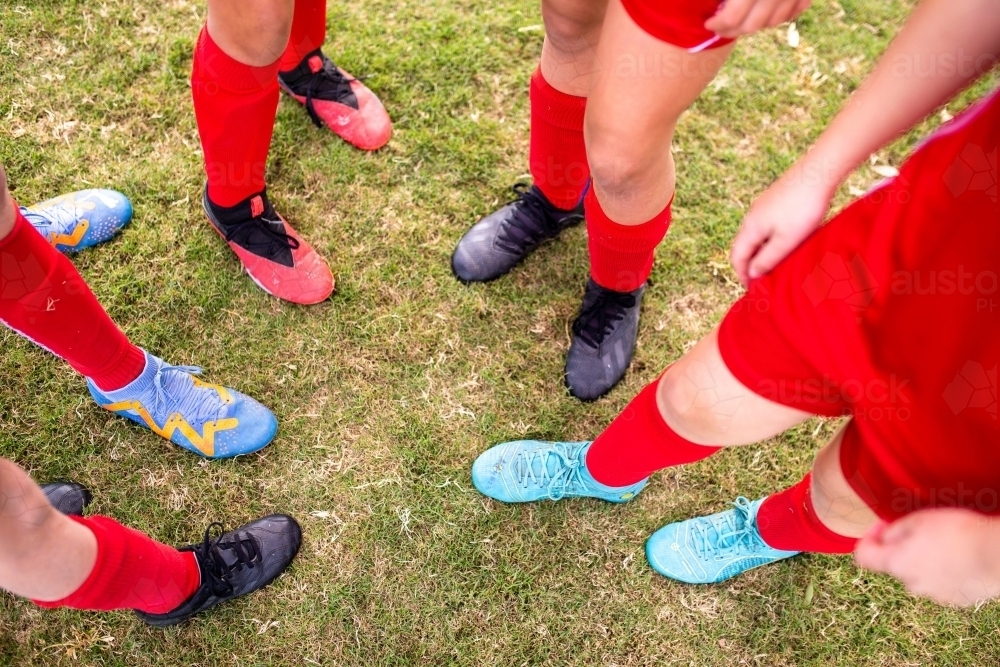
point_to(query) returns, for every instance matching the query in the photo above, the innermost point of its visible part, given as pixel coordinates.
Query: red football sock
(235, 106)
(132, 571)
(788, 521)
(308, 32)
(638, 443)
(558, 156)
(621, 256)
(45, 299)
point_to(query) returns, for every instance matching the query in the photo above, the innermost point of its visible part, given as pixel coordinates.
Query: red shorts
(677, 22)
(890, 313)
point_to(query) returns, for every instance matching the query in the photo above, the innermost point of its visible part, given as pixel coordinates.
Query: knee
(622, 163)
(254, 32)
(571, 30)
(688, 410)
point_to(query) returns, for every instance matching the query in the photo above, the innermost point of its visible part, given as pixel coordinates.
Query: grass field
(388, 392)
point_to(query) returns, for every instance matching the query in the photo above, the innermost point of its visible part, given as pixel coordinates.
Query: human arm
(944, 45)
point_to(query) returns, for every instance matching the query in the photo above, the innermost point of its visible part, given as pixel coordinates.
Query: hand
(779, 220)
(949, 555)
(742, 17)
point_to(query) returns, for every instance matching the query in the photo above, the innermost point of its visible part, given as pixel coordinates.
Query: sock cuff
(621, 238)
(214, 67)
(555, 107)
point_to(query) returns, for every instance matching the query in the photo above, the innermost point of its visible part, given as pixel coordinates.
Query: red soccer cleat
(276, 257)
(335, 98)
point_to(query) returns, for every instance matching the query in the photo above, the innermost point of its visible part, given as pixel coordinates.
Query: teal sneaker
(710, 549)
(81, 219)
(206, 419)
(528, 470)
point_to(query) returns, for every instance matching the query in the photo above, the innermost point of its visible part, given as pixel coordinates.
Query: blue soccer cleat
(710, 549)
(79, 220)
(207, 419)
(528, 470)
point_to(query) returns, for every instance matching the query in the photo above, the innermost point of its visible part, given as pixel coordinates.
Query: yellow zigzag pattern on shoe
(176, 422)
(71, 240)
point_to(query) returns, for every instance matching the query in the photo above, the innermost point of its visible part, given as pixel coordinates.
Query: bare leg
(640, 90)
(837, 505)
(704, 403)
(7, 216)
(43, 554)
(254, 32)
(572, 33)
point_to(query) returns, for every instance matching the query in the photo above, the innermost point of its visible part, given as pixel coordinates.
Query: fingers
(741, 17)
(872, 554)
(772, 252)
(730, 17)
(748, 240)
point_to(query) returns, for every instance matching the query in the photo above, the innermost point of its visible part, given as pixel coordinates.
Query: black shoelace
(245, 552)
(274, 240)
(531, 223)
(329, 84)
(597, 320)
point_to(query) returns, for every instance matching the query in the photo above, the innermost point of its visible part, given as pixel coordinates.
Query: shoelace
(530, 225)
(597, 320)
(329, 77)
(277, 240)
(197, 405)
(567, 474)
(733, 533)
(59, 217)
(245, 550)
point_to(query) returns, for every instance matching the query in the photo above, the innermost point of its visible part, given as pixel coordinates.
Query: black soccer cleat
(498, 242)
(236, 564)
(604, 336)
(69, 498)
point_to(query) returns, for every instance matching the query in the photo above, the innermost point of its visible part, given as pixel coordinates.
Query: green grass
(388, 392)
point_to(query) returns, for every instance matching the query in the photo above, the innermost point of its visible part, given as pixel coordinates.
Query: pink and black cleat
(335, 98)
(276, 257)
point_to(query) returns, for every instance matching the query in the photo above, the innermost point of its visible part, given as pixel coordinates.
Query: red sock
(638, 443)
(44, 298)
(132, 571)
(621, 256)
(788, 521)
(558, 156)
(235, 106)
(308, 32)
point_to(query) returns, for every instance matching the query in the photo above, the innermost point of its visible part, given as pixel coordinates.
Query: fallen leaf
(793, 36)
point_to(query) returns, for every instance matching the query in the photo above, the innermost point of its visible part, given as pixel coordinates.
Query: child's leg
(44, 555)
(308, 32)
(234, 85)
(639, 92)
(822, 513)
(693, 409)
(44, 298)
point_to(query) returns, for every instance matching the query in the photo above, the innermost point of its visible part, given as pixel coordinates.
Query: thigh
(839, 506)
(703, 402)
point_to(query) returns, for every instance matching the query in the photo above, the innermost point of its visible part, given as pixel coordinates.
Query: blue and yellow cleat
(528, 470)
(710, 549)
(207, 419)
(79, 220)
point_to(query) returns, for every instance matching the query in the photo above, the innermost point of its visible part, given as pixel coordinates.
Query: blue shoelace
(567, 474)
(732, 534)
